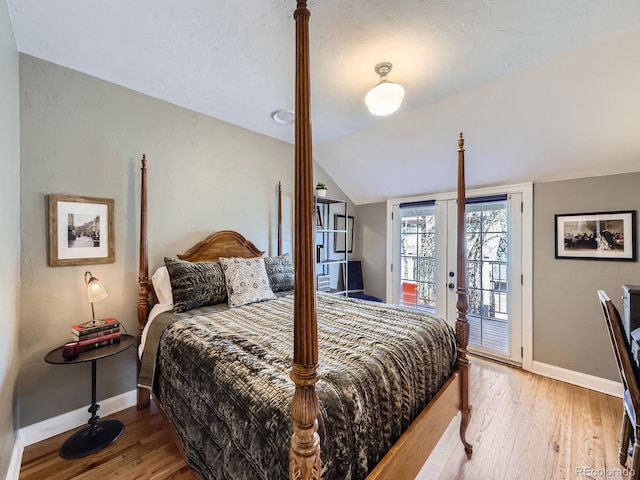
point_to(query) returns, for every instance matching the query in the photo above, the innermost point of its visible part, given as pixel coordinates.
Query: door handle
(451, 286)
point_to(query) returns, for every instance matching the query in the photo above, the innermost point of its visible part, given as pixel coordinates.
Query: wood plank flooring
(145, 450)
(526, 426)
(523, 427)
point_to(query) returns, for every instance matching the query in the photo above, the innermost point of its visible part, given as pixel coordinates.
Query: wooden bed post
(143, 277)
(279, 218)
(462, 304)
(304, 454)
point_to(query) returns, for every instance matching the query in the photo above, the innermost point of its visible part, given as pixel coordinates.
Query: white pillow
(246, 279)
(162, 285)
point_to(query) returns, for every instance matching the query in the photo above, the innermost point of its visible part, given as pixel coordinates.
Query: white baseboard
(16, 460)
(580, 379)
(76, 418)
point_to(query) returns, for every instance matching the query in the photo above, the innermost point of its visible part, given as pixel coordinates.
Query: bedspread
(223, 381)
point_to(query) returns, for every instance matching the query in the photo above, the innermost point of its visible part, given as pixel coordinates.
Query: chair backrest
(355, 282)
(626, 366)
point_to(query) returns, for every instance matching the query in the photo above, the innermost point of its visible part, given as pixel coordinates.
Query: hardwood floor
(145, 450)
(523, 427)
(526, 426)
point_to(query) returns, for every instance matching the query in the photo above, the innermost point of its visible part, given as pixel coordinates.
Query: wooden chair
(629, 376)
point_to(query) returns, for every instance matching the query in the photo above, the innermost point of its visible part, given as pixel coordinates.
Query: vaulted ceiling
(543, 90)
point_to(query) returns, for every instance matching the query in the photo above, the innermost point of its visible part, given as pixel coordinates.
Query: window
(418, 255)
(488, 272)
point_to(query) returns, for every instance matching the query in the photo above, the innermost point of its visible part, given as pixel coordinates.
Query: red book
(94, 326)
(98, 342)
(97, 334)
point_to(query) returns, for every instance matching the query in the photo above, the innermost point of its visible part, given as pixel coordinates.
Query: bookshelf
(334, 242)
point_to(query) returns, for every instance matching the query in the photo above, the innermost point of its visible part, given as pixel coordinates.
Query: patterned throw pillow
(280, 272)
(247, 280)
(195, 284)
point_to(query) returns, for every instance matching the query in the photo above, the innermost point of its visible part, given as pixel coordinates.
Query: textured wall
(568, 327)
(371, 240)
(9, 237)
(84, 136)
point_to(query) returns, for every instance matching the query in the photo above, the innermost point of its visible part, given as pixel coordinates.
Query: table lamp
(95, 291)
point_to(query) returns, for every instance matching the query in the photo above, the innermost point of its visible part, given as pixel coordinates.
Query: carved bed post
(279, 218)
(462, 325)
(143, 276)
(304, 454)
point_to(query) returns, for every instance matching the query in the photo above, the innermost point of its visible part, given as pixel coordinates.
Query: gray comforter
(223, 381)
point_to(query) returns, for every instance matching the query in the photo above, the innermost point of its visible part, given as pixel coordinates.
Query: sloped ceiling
(543, 90)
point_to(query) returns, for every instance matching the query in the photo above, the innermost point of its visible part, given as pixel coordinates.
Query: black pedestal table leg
(97, 434)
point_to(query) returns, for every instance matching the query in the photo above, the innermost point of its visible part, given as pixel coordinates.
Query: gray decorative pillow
(280, 272)
(195, 284)
(247, 280)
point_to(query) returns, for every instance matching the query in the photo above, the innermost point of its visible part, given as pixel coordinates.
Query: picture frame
(596, 236)
(339, 223)
(81, 230)
(318, 218)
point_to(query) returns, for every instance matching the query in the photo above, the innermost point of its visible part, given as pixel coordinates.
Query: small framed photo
(318, 218)
(339, 223)
(596, 236)
(80, 230)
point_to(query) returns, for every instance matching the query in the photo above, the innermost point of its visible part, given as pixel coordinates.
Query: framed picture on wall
(318, 218)
(80, 230)
(339, 223)
(596, 236)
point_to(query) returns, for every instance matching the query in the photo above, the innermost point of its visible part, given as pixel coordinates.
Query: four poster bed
(257, 384)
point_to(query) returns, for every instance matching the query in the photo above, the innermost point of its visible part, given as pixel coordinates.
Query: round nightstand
(97, 434)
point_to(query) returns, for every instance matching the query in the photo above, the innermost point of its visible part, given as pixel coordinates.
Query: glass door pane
(418, 257)
(488, 275)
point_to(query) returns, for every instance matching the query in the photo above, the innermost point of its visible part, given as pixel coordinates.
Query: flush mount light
(283, 117)
(386, 97)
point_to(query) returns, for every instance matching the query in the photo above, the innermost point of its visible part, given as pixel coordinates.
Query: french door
(424, 250)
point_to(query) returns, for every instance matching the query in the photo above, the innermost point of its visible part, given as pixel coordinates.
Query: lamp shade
(385, 98)
(95, 290)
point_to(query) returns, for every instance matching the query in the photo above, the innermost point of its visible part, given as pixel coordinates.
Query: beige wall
(371, 241)
(9, 237)
(84, 136)
(568, 327)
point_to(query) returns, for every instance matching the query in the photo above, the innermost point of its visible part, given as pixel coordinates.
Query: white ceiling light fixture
(386, 97)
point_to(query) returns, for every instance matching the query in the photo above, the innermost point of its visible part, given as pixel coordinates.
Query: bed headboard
(225, 243)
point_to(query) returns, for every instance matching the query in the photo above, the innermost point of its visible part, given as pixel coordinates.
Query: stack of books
(96, 333)
(323, 283)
